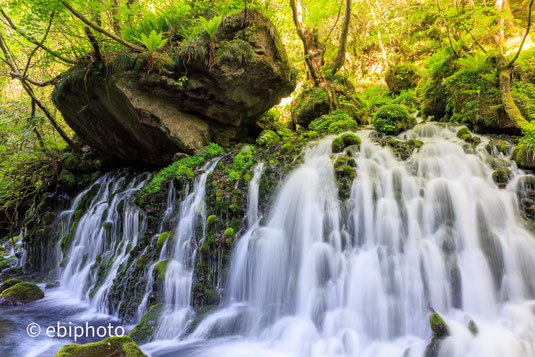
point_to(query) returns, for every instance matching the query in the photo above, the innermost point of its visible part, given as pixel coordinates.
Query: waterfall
(325, 277)
(102, 238)
(252, 195)
(179, 259)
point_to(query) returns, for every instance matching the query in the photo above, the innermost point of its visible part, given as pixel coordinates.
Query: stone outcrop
(122, 110)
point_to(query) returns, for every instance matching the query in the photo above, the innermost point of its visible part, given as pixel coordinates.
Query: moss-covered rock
(440, 331)
(144, 330)
(466, 135)
(336, 122)
(162, 238)
(309, 105)
(401, 77)
(267, 138)
(497, 146)
(501, 177)
(113, 346)
(9, 283)
(160, 269)
(21, 293)
(343, 141)
(393, 119)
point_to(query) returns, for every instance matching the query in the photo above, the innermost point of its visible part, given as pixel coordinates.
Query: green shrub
(392, 119)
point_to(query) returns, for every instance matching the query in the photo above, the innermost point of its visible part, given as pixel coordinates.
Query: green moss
(228, 236)
(179, 168)
(210, 220)
(267, 138)
(162, 238)
(144, 330)
(464, 134)
(343, 141)
(9, 283)
(160, 269)
(336, 122)
(288, 148)
(438, 326)
(501, 176)
(22, 292)
(401, 77)
(392, 119)
(111, 346)
(309, 105)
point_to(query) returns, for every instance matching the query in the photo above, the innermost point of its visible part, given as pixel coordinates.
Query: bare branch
(525, 36)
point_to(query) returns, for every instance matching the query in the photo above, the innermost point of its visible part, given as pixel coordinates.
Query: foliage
(210, 26)
(343, 141)
(153, 41)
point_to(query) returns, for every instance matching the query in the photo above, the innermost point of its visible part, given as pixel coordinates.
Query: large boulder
(124, 110)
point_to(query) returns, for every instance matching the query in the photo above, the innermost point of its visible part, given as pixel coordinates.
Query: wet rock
(440, 331)
(113, 346)
(21, 293)
(392, 119)
(144, 330)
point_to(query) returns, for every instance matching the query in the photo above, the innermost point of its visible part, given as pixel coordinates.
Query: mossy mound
(466, 135)
(267, 138)
(9, 283)
(344, 167)
(309, 105)
(501, 177)
(113, 346)
(440, 331)
(497, 146)
(401, 77)
(162, 238)
(343, 141)
(336, 122)
(144, 330)
(393, 119)
(21, 293)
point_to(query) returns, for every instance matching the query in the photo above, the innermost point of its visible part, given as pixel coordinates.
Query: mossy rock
(162, 238)
(438, 326)
(309, 105)
(501, 177)
(401, 77)
(343, 141)
(268, 138)
(497, 145)
(392, 119)
(144, 330)
(21, 293)
(9, 283)
(466, 135)
(160, 269)
(228, 236)
(122, 346)
(336, 122)
(524, 157)
(210, 220)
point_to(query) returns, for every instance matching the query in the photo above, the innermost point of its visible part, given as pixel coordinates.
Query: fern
(211, 26)
(153, 41)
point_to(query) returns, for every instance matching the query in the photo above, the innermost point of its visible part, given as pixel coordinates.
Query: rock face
(123, 111)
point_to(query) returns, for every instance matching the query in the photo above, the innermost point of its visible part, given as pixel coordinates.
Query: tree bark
(342, 45)
(314, 50)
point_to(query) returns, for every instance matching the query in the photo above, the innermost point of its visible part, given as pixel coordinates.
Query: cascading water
(252, 195)
(178, 258)
(360, 277)
(103, 237)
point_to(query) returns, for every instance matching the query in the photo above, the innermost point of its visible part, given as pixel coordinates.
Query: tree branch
(341, 56)
(34, 41)
(525, 36)
(447, 29)
(101, 30)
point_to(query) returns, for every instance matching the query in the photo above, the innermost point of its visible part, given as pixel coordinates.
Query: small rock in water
(113, 346)
(20, 293)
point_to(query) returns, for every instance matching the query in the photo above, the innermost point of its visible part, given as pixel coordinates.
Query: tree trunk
(314, 50)
(342, 45)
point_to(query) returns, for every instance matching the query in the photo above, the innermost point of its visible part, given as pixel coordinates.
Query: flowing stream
(318, 276)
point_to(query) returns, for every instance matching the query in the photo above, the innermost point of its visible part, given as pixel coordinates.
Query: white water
(104, 235)
(177, 312)
(326, 278)
(252, 195)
